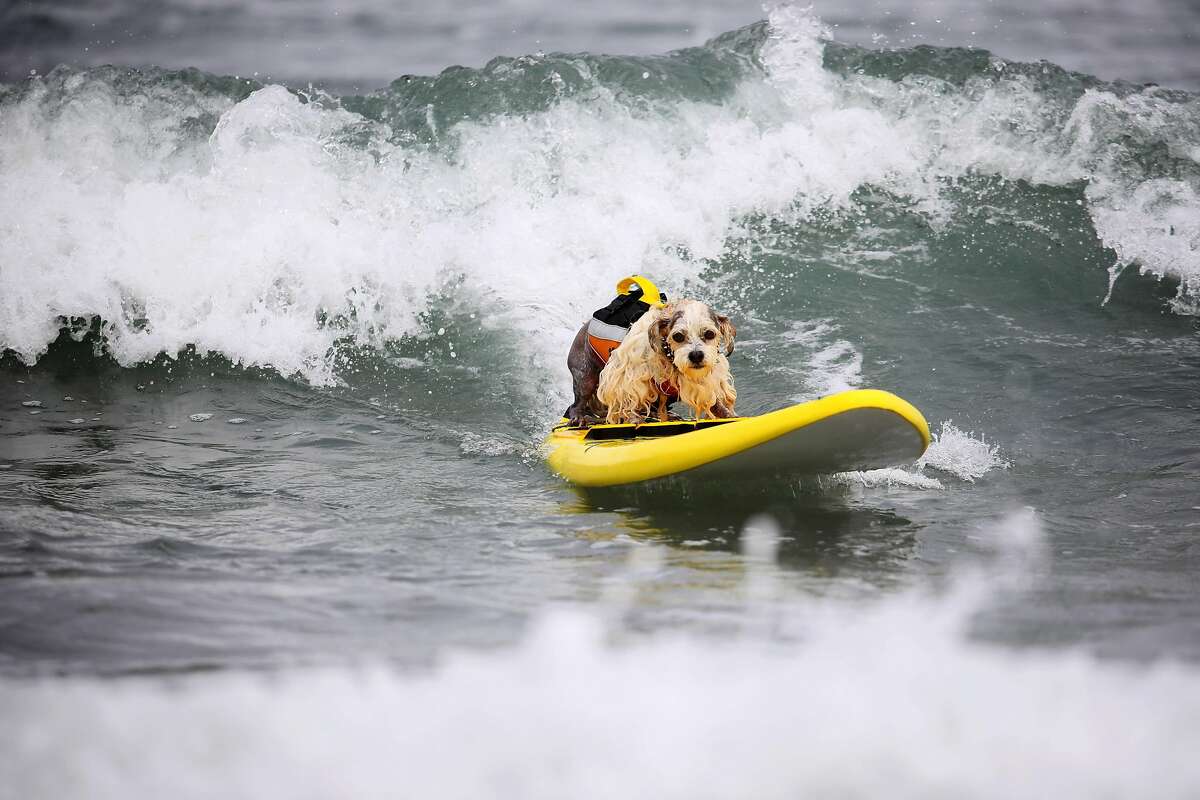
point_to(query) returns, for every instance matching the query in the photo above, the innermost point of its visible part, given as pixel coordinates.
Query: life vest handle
(650, 293)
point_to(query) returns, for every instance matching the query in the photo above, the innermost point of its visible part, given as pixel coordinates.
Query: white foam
(829, 363)
(1152, 223)
(888, 700)
(476, 444)
(960, 454)
(238, 244)
(922, 129)
(893, 477)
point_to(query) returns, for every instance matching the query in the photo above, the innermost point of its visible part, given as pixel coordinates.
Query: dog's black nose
(696, 357)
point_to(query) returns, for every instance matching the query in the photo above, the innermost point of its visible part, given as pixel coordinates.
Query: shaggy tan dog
(675, 352)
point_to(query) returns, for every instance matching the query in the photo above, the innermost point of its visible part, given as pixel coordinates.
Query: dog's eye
(710, 335)
(678, 337)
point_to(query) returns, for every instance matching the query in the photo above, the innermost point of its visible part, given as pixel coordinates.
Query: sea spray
(961, 455)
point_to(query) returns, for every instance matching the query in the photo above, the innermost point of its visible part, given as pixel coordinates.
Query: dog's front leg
(662, 408)
(719, 411)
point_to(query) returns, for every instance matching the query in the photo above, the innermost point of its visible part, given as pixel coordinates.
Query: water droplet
(199, 417)
(32, 404)
(236, 420)
(76, 421)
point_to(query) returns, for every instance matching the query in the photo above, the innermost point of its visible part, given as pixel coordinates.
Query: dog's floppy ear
(728, 333)
(658, 329)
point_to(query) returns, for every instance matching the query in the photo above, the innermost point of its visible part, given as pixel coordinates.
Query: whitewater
(267, 226)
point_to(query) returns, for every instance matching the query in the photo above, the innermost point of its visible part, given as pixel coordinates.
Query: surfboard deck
(854, 430)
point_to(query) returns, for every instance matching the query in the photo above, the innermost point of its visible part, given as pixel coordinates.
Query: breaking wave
(168, 210)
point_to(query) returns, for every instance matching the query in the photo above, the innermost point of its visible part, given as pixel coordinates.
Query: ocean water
(279, 354)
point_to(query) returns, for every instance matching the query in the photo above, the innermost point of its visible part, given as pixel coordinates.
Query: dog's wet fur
(684, 344)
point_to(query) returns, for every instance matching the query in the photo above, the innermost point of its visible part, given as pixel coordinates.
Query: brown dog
(597, 340)
(585, 365)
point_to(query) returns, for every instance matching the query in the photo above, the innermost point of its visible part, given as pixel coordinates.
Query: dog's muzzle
(696, 357)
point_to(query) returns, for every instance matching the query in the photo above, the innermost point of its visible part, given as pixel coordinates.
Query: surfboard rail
(856, 429)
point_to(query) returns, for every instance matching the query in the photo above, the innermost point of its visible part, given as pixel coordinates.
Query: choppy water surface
(277, 366)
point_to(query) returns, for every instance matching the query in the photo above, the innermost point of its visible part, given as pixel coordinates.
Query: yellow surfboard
(859, 429)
